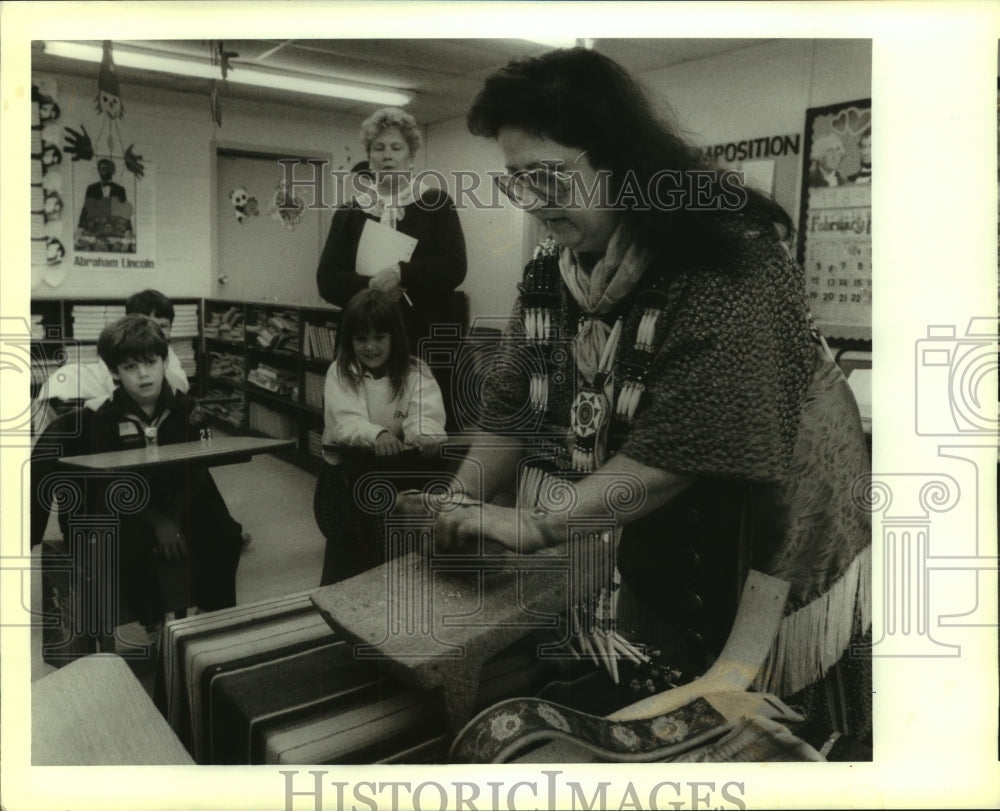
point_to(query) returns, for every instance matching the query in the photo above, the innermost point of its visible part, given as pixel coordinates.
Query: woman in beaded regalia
(660, 373)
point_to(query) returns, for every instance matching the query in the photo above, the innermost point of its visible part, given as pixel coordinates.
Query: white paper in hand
(380, 247)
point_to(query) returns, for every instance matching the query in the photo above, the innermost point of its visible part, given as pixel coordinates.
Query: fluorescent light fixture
(561, 42)
(239, 73)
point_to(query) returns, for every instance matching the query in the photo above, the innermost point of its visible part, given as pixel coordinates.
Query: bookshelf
(66, 331)
(268, 361)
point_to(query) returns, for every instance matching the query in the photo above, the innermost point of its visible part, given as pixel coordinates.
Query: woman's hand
(508, 526)
(386, 280)
(387, 444)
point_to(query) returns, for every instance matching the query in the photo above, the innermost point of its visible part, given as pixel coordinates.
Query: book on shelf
(272, 380)
(322, 341)
(278, 332)
(227, 365)
(226, 325)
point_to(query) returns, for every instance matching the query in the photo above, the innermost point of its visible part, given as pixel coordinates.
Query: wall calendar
(835, 228)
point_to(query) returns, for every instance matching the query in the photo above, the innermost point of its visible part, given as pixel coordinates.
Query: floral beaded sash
(694, 732)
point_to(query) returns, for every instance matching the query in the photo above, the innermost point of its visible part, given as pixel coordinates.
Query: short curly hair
(134, 337)
(387, 117)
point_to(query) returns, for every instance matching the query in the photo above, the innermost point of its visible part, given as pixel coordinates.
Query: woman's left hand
(386, 280)
(507, 526)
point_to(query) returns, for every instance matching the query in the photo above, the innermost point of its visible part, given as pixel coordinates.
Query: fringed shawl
(736, 390)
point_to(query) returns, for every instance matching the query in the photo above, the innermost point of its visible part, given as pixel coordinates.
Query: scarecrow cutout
(105, 221)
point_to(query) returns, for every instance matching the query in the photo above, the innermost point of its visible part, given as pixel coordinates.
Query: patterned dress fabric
(736, 392)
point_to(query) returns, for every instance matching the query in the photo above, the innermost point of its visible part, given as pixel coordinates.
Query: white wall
(175, 132)
(761, 90)
(750, 93)
(493, 236)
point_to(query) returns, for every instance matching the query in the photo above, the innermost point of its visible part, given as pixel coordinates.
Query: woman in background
(424, 285)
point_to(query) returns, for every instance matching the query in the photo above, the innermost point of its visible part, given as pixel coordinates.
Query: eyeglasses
(537, 187)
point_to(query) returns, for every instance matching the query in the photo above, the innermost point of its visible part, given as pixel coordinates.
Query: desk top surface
(215, 451)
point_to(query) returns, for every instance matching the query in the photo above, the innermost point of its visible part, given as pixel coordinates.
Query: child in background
(155, 305)
(184, 539)
(382, 410)
(93, 382)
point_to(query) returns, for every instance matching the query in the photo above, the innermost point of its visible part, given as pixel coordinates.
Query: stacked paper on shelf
(76, 353)
(186, 355)
(185, 321)
(89, 319)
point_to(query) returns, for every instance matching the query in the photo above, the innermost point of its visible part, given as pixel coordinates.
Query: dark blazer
(437, 267)
(95, 191)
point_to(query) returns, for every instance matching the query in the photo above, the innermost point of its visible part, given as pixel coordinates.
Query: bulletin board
(835, 236)
(268, 238)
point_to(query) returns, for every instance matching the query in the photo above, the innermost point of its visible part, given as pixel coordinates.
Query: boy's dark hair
(134, 337)
(150, 302)
(373, 310)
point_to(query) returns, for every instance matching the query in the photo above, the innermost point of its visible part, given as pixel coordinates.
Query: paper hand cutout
(78, 144)
(134, 163)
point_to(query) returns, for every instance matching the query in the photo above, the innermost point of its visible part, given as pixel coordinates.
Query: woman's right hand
(387, 444)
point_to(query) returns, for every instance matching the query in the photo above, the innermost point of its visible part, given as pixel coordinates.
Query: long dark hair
(582, 99)
(373, 310)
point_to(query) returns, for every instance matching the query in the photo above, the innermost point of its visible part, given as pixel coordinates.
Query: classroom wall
(761, 90)
(495, 234)
(177, 137)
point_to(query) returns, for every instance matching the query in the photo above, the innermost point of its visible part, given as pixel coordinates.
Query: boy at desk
(93, 382)
(183, 548)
